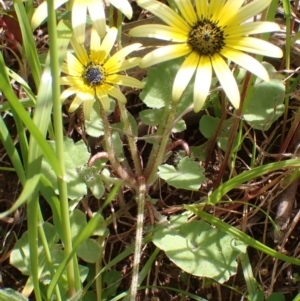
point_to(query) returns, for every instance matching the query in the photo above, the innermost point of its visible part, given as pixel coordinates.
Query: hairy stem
(138, 237)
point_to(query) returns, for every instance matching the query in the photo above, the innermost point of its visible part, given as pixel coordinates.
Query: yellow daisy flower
(94, 75)
(79, 10)
(207, 34)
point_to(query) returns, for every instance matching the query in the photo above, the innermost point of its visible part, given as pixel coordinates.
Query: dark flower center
(206, 38)
(93, 75)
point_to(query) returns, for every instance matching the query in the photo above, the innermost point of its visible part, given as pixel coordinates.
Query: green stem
(98, 267)
(157, 153)
(117, 167)
(131, 141)
(47, 245)
(138, 237)
(59, 139)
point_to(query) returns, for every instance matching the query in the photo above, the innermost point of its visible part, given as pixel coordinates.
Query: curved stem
(117, 167)
(131, 141)
(157, 153)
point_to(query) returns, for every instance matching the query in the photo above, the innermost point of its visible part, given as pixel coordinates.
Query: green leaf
(151, 117)
(76, 155)
(9, 294)
(154, 117)
(266, 104)
(276, 297)
(188, 174)
(20, 254)
(94, 126)
(91, 176)
(198, 249)
(89, 251)
(77, 222)
(208, 126)
(113, 281)
(157, 92)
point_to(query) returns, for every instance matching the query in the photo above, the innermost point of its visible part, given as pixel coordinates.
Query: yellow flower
(95, 75)
(206, 35)
(79, 10)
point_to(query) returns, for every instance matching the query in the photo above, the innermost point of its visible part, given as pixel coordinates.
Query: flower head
(79, 11)
(94, 75)
(206, 35)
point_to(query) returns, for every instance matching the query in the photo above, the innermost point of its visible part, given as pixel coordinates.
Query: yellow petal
(202, 82)
(187, 11)
(184, 75)
(75, 104)
(104, 101)
(72, 66)
(253, 45)
(123, 80)
(95, 46)
(119, 56)
(123, 6)
(97, 13)
(80, 52)
(246, 61)
(107, 44)
(163, 54)
(226, 80)
(41, 13)
(117, 94)
(125, 65)
(72, 81)
(79, 10)
(251, 28)
(165, 13)
(229, 10)
(161, 32)
(87, 108)
(250, 10)
(67, 93)
(214, 9)
(202, 8)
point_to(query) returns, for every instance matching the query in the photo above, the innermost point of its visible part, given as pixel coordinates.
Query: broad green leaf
(76, 156)
(157, 92)
(20, 254)
(84, 234)
(266, 103)
(94, 126)
(90, 296)
(9, 294)
(113, 281)
(151, 117)
(57, 256)
(77, 222)
(89, 251)
(188, 174)
(198, 249)
(208, 126)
